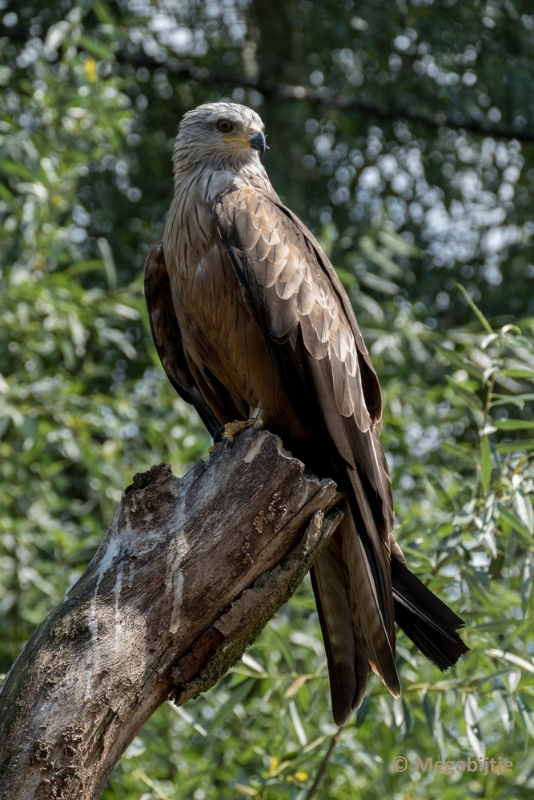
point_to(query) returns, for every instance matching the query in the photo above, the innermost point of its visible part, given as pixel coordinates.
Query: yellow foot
(231, 429)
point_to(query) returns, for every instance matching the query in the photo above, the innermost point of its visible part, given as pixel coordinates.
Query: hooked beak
(257, 142)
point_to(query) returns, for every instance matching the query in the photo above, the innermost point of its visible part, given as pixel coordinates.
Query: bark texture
(187, 576)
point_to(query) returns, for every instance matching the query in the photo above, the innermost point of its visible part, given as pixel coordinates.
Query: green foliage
(81, 405)
(410, 214)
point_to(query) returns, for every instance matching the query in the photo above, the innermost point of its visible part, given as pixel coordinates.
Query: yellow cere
(239, 139)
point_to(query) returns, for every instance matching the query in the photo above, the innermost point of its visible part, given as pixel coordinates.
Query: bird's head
(228, 135)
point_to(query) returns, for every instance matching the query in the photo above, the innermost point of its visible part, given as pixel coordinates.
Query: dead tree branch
(187, 576)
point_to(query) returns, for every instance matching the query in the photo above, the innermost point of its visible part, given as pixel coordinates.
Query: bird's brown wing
(168, 338)
(320, 357)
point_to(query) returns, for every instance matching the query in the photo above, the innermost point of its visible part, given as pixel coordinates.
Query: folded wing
(320, 357)
(168, 337)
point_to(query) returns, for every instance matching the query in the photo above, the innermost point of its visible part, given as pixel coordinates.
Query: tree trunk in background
(275, 44)
(189, 573)
(272, 27)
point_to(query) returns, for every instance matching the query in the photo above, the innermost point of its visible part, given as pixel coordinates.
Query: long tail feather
(347, 669)
(425, 619)
(365, 608)
(353, 629)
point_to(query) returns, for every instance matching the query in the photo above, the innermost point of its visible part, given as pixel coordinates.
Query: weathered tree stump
(187, 576)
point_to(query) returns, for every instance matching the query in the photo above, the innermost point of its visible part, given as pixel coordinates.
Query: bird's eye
(224, 126)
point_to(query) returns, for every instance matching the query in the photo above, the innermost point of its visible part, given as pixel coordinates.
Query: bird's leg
(231, 429)
(257, 415)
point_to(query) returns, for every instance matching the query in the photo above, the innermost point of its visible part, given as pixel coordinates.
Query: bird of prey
(250, 320)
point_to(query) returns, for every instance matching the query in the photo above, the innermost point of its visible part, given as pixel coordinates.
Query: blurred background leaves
(402, 133)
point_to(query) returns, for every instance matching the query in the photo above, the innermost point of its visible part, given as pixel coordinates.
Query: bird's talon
(232, 429)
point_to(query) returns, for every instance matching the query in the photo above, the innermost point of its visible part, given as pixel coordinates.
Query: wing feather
(168, 337)
(286, 258)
